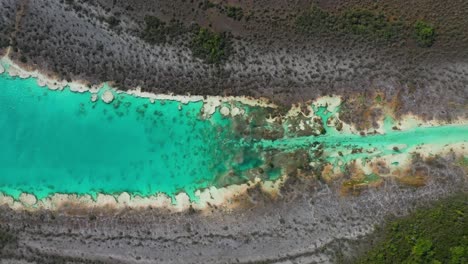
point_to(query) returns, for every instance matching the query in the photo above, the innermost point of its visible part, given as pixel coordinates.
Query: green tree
(210, 46)
(459, 255)
(421, 251)
(424, 34)
(438, 234)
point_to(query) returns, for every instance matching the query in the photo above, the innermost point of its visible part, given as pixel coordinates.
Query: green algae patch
(438, 234)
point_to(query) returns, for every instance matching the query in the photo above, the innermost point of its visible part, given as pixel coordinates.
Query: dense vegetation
(360, 22)
(364, 23)
(435, 235)
(210, 46)
(424, 34)
(316, 20)
(157, 31)
(367, 23)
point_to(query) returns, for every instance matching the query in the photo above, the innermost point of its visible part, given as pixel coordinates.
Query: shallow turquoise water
(370, 146)
(61, 142)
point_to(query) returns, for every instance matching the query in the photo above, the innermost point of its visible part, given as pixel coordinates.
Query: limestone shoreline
(226, 197)
(211, 196)
(210, 103)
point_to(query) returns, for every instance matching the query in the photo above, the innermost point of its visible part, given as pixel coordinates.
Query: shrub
(424, 34)
(157, 31)
(4, 42)
(206, 4)
(360, 22)
(210, 46)
(23, 58)
(235, 13)
(112, 21)
(6, 238)
(315, 20)
(367, 23)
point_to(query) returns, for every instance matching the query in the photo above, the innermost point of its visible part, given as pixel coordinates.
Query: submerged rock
(94, 98)
(107, 97)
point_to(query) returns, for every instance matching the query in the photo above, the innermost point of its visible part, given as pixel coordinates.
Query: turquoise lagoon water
(61, 142)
